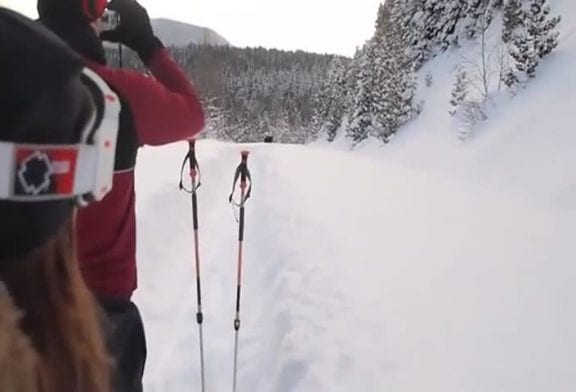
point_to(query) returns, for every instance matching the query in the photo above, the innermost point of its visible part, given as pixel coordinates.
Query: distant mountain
(173, 33)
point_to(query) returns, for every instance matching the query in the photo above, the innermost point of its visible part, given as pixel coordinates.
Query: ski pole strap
(242, 174)
(194, 169)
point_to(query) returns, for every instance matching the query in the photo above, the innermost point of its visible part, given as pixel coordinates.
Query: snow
(427, 264)
(359, 275)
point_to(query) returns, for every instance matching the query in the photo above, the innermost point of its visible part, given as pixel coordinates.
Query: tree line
(295, 97)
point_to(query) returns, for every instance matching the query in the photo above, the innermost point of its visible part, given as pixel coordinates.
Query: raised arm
(165, 107)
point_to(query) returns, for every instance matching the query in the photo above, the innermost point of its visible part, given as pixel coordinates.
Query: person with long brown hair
(58, 127)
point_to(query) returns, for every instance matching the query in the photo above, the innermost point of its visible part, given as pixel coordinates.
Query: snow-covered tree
(542, 27)
(400, 75)
(454, 12)
(525, 56)
(433, 18)
(484, 64)
(537, 39)
(479, 17)
(510, 79)
(282, 129)
(385, 84)
(382, 19)
(468, 115)
(419, 45)
(321, 105)
(460, 90)
(513, 19)
(337, 98)
(366, 93)
(436, 25)
(217, 121)
(331, 100)
(428, 79)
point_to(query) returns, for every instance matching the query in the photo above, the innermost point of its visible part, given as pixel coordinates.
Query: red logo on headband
(45, 171)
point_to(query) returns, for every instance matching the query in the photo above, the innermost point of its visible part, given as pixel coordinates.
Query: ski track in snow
(425, 265)
(358, 275)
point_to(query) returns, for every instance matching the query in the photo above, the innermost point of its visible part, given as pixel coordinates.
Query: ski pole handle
(242, 174)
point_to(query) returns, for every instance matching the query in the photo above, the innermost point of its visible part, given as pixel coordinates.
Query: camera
(110, 20)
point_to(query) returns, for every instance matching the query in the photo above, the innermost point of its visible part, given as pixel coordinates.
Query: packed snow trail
(359, 275)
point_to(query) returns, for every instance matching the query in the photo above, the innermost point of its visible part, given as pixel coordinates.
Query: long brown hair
(59, 316)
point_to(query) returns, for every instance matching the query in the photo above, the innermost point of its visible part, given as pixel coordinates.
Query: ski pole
(195, 177)
(243, 174)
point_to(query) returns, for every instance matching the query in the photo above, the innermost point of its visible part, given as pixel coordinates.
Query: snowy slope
(424, 265)
(526, 145)
(360, 275)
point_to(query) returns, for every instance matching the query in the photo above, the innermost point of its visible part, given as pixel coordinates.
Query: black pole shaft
(199, 315)
(194, 210)
(193, 173)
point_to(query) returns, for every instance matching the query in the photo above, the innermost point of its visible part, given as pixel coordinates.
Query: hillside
(492, 50)
(174, 33)
(526, 144)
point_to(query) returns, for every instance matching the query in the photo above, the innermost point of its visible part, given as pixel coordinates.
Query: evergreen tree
(514, 18)
(498, 4)
(455, 11)
(217, 120)
(419, 45)
(282, 129)
(382, 19)
(383, 95)
(510, 79)
(399, 75)
(434, 12)
(331, 100)
(436, 25)
(321, 104)
(479, 16)
(460, 91)
(542, 28)
(337, 97)
(537, 39)
(364, 101)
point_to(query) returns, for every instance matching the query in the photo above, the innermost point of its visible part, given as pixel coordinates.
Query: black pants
(126, 343)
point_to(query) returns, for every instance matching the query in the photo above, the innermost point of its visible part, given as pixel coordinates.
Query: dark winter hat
(42, 101)
(89, 10)
(70, 20)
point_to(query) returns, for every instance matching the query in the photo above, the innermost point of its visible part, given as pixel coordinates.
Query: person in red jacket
(155, 111)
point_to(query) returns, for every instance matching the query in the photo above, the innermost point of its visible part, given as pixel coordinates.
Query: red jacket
(155, 111)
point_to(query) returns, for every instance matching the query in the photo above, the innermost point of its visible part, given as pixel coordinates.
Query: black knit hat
(42, 101)
(50, 8)
(70, 20)
(89, 10)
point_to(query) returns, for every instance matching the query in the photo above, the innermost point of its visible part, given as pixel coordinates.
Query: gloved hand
(135, 30)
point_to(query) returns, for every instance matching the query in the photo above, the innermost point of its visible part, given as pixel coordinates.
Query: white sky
(323, 26)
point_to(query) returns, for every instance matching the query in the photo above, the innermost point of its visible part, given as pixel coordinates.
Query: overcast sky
(323, 26)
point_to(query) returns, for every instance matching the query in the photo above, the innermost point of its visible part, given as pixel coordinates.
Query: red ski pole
(195, 178)
(242, 174)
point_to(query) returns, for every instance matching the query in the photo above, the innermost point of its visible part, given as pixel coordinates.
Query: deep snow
(360, 275)
(425, 265)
